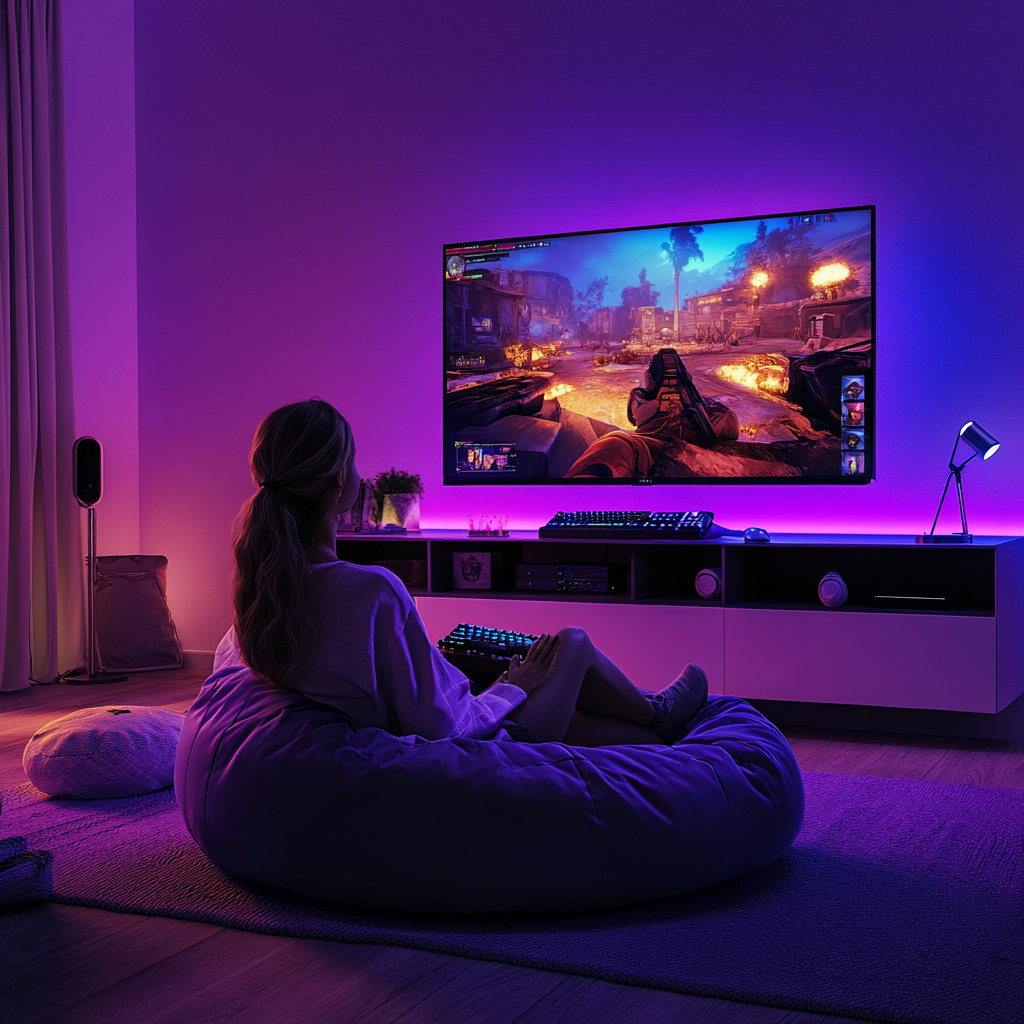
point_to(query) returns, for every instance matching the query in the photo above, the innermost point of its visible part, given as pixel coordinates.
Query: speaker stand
(92, 667)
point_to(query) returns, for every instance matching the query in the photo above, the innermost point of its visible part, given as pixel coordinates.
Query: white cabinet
(650, 643)
(897, 660)
(767, 635)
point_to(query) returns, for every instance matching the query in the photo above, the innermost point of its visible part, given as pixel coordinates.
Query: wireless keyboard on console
(629, 525)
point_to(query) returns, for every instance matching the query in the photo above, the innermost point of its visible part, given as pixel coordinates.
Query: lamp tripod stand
(985, 445)
(953, 538)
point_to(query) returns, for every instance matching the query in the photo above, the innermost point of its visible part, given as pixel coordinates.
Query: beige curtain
(41, 588)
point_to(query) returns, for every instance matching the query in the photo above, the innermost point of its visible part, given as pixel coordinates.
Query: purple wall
(99, 86)
(300, 165)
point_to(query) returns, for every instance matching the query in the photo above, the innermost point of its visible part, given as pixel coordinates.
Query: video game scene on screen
(729, 349)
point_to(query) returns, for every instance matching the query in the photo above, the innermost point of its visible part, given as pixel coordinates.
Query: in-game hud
(729, 350)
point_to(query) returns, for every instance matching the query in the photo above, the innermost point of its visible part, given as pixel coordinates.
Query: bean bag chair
(283, 791)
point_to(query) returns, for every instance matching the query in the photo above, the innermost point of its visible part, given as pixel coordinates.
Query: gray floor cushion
(112, 751)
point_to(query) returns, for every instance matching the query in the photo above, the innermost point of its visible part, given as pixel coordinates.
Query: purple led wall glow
(99, 118)
(299, 167)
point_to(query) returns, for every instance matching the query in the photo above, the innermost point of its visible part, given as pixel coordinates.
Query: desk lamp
(985, 445)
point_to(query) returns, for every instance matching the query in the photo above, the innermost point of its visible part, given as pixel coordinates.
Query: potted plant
(395, 499)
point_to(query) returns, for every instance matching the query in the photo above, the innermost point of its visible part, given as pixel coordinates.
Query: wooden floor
(77, 966)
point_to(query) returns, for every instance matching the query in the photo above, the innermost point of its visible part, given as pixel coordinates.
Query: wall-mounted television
(723, 351)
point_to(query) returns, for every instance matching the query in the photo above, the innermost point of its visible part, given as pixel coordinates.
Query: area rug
(900, 901)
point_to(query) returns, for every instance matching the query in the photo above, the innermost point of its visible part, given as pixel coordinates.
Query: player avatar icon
(853, 388)
(853, 463)
(468, 458)
(853, 414)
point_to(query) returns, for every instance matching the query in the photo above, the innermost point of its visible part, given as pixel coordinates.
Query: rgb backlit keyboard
(629, 525)
(482, 642)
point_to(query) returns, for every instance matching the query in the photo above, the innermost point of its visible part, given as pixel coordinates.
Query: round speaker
(708, 583)
(832, 590)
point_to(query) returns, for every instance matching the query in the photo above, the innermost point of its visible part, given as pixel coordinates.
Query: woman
(350, 635)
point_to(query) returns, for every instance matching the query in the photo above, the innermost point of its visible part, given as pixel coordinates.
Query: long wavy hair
(299, 454)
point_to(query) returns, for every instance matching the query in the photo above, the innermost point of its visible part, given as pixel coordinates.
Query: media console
(766, 635)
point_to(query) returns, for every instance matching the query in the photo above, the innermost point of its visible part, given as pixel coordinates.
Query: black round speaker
(86, 458)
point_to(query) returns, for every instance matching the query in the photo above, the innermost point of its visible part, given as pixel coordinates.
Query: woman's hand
(532, 672)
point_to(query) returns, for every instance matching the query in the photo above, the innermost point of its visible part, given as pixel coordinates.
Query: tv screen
(726, 351)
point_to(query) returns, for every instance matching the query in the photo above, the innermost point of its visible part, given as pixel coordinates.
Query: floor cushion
(112, 751)
(283, 791)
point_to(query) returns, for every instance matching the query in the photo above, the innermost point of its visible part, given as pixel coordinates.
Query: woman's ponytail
(297, 456)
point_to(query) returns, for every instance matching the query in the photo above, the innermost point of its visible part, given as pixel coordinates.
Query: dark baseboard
(1008, 724)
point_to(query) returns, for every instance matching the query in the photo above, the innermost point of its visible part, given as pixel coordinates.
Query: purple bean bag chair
(283, 791)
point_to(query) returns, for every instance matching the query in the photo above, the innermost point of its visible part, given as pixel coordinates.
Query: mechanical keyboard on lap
(477, 648)
(629, 525)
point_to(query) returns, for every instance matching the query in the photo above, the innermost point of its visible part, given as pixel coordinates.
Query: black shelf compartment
(667, 573)
(515, 553)
(780, 576)
(617, 557)
(441, 572)
(406, 556)
(558, 596)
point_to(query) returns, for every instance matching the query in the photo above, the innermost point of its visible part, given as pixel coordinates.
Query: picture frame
(476, 570)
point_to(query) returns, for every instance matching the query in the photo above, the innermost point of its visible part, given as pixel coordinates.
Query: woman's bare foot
(678, 703)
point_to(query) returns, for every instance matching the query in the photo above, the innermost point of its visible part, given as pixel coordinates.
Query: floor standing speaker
(86, 457)
(87, 462)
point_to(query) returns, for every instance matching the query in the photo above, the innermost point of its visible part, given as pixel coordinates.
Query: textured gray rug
(900, 901)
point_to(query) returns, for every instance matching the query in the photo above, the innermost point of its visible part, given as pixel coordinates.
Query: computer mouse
(756, 535)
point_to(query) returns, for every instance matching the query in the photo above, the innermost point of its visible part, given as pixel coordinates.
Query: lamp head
(979, 439)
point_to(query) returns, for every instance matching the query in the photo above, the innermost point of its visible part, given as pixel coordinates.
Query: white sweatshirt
(369, 656)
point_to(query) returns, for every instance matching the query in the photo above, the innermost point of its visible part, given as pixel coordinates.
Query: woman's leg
(582, 679)
(606, 690)
(597, 731)
(552, 684)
